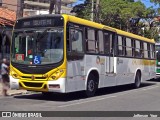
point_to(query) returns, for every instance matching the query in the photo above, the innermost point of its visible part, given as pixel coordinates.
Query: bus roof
(96, 25)
(134, 36)
(100, 26)
(83, 21)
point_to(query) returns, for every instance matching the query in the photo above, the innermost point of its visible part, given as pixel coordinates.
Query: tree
(155, 1)
(83, 10)
(122, 14)
(119, 13)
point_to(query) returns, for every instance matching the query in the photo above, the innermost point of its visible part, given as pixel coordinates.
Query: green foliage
(122, 11)
(150, 33)
(155, 1)
(122, 14)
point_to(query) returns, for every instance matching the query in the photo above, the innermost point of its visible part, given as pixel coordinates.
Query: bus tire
(137, 82)
(91, 86)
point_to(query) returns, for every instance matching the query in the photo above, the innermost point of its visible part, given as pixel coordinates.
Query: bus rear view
(37, 54)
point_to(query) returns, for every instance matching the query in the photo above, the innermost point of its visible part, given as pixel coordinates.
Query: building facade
(10, 10)
(35, 7)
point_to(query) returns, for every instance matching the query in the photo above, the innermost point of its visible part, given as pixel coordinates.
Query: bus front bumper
(39, 86)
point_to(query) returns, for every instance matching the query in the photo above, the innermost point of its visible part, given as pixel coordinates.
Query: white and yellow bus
(63, 53)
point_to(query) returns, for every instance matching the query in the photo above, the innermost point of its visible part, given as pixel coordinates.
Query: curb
(18, 93)
(22, 93)
(14, 92)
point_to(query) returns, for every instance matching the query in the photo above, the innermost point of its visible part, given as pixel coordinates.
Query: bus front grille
(29, 84)
(35, 77)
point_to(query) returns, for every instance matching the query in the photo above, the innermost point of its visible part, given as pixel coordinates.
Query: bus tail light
(54, 86)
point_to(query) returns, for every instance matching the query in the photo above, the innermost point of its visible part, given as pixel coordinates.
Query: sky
(146, 2)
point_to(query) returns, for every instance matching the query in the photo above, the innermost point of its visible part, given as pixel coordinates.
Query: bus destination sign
(39, 22)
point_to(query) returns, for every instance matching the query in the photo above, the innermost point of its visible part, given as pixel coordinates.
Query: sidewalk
(13, 92)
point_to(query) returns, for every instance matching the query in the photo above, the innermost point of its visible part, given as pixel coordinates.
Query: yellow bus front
(38, 55)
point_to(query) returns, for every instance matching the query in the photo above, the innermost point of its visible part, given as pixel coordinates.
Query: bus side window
(137, 49)
(101, 42)
(129, 47)
(108, 38)
(141, 49)
(107, 43)
(76, 39)
(152, 50)
(145, 50)
(120, 45)
(91, 40)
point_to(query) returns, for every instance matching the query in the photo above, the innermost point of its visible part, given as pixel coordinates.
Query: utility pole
(20, 7)
(92, 11)
(97, 10)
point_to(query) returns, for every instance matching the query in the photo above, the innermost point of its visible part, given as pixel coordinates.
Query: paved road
(122, 98)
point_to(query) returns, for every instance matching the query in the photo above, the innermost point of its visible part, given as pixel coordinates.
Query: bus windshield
(38, 46)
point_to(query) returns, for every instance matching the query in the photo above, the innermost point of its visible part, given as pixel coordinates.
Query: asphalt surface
(117, 99)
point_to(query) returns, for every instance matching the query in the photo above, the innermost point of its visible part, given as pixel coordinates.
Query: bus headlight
(14, 74)
(56, 75)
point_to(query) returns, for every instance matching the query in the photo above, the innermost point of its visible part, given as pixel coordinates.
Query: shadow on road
(155, 80)
(79, 95)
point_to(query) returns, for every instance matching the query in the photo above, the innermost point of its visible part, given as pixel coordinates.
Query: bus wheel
(91, 86)
(137, 80)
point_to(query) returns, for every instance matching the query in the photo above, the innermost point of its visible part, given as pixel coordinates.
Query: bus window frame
(112, 46)
(72, 55)
(95, 40)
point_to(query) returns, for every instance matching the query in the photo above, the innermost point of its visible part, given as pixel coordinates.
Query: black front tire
(92, 86)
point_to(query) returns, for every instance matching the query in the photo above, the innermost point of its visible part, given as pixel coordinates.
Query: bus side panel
(152, 69)
(109, 72)
(75, 76)
(125, 71)
(101, 63)
(148, 69)
(146, 72)
(78, 71)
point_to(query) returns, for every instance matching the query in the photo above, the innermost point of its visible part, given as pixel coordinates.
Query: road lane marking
(78, 103)
(117, 95)
(136, 90)
(150, 88)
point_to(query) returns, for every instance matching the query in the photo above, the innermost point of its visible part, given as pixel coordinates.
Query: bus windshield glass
(38, 46)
